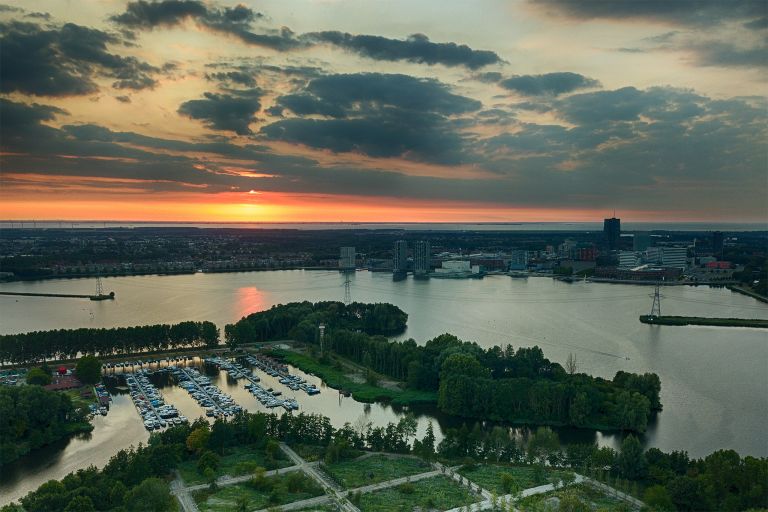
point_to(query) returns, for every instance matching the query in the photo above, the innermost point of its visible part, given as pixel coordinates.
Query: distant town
(613, 255)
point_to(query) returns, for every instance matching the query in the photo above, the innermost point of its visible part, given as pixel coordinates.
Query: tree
(38, 376)
(571, 365)
(198, 439)
(80, 504)
(88, 370)
(657, 498)
(631, 461)
(208, 460)
(151, 495)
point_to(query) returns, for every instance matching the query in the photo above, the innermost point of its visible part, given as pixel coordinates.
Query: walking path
(333, 493)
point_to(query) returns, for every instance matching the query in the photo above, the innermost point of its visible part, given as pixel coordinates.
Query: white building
(676, 257)
(347, 258)
(628, 259)
(457, 268)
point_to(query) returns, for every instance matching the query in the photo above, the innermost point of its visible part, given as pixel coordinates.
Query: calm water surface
(714, 380)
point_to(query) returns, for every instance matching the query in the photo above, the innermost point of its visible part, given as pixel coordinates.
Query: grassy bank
(695, 320)
(361, 391)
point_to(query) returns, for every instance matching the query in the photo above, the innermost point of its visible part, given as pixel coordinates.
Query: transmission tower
(99, 287)
(347, 289)
(321, 328)
(656, 307)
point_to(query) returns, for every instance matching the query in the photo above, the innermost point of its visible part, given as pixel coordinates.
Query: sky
(388, 110)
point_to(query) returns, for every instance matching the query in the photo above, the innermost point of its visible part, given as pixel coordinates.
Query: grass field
(437, 493)
(238, 460)
(274, 491)
(523, 477)
(371, 470)
(589, 497)
(362, 392)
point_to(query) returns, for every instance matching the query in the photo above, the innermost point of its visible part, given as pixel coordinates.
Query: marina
(216, 402)
(155, 413)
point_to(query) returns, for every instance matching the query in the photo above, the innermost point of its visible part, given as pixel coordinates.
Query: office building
(347, 258)
(628, 259)
(641, 241)
(518, 260)
(400, 260)
(422, 258)
(718, 242)
(612, 233)
(676, 257)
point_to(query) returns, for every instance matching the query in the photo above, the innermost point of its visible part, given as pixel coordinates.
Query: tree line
(132, 480)
(500, 384)
(69, 343)
(300, 321)
(32, 417)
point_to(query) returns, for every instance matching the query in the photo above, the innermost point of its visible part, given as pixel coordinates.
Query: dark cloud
(416, 48)
(694, 12)
(725, 54)
(672, 149)
(549, 84)
(228, 112)
(65, 60)
(239, 22)
(382, 115)
(235, 21)
(233, 77)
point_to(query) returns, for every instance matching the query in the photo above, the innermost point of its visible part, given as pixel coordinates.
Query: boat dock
(102, 296)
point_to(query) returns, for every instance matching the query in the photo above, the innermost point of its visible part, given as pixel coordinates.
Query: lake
(714, 380)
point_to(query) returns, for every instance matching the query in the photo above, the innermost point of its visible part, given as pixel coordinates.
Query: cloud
(380, 115)
(725, 54)
(758, 24)
(228, 112)
(235, 21)
(239, 22)
(549, 84)
(698, 12)
(416, 48)
(65, 61)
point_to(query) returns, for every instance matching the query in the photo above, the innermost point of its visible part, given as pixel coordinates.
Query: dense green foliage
(39, 377)
(498, 384)
(300, 321)
(69, 343)
(31, 417)
(722, 481)
(88, 370)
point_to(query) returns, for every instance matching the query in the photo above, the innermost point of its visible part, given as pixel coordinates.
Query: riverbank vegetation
(499, 384)
(666, 481)
(696, 320)
(69, 343)
(334, 376)
(32, 417)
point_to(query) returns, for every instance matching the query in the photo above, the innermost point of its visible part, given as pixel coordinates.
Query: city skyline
(331, 111)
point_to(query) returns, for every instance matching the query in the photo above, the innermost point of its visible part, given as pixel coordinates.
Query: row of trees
(31, 417)
(69, 343)
(300, 321)
(504, 384)
(130, 481)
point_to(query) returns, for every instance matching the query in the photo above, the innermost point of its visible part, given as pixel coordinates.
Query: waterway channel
(714, 380)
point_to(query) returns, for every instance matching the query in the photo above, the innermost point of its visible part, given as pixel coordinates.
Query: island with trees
(499, 384)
